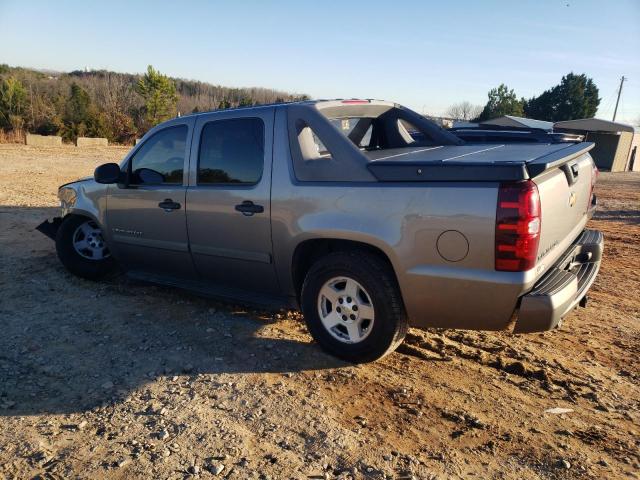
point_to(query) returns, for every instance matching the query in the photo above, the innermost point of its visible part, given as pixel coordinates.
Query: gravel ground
(122, 380)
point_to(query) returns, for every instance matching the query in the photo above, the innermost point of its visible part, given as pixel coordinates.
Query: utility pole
(622, 79)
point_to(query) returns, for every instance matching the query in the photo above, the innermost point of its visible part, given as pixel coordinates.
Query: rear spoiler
(438, 171)
(558, 158)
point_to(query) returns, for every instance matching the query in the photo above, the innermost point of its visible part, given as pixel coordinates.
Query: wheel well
(80, 214)
(73, 214)
(309, 251)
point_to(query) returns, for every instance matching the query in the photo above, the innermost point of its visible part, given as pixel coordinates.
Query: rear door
(146, 219)
(228, 199)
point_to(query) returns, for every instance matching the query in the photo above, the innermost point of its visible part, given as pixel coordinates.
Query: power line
(608, 105)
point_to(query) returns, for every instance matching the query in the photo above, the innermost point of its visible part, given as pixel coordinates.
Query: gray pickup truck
(364, 214)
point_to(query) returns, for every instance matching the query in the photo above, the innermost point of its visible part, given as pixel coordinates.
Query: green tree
(78, 104)
(224, 104)
(81, 117)
(159, 94)
(502, 101)
(245, 102)
(575, 97)
(13, 102)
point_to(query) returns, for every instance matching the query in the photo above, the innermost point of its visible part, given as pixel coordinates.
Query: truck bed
(503, 162)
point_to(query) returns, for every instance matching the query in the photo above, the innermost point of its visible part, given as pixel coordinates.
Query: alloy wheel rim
(346, 310)
(88, 241)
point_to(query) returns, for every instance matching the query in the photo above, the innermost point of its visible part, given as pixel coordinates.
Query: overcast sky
(426, 55)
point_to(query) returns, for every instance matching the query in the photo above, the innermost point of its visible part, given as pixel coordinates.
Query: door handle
(575, 170)
(248, 208)
(168, 205)
(571, 172)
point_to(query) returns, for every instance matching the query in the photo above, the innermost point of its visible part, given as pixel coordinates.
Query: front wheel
(352, 306)
(82, 249)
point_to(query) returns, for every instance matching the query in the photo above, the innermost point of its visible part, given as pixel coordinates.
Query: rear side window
(160, 160)
(311, 146)
(357, 129)
(231, 152)
(409, 132)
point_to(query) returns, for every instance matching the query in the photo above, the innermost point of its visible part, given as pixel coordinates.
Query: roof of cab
(319, 103)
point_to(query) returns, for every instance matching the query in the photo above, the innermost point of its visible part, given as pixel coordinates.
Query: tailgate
(565, 199)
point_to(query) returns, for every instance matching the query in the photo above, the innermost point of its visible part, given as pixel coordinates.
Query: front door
(228, 214)
(146, 218)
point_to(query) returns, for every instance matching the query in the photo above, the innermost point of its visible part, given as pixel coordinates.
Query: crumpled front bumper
(563, 287)
(50, 227)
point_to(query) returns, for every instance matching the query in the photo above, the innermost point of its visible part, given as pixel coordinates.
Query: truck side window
(412, 134)
(311, 146)
(231, 151)
(160, 160)
(408, 131)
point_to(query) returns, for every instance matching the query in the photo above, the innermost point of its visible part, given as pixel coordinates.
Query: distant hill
(104, 103)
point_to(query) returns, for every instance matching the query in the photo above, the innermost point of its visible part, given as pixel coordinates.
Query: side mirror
(107, 173)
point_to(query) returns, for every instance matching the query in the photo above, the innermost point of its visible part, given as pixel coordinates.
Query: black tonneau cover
(505, 162)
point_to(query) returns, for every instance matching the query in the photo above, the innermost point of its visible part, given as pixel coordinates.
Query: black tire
(72, 260)
(377, 278)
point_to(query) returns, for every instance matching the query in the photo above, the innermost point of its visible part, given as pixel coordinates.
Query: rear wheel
(82, 250)
(352, 306)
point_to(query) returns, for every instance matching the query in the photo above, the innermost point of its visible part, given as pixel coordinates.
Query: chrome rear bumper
(563, 287)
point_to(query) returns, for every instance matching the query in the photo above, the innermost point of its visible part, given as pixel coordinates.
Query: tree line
(118, 106)
(122, 106)
(576, 96)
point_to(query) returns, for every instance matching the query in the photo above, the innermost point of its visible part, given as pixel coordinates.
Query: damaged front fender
(50, 227)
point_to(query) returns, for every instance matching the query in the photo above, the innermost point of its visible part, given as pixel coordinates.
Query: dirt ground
(123, 380)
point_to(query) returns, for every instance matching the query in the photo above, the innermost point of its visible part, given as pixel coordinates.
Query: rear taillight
(517, 226)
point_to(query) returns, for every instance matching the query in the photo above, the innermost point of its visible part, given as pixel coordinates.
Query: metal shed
(614, 142)
(519, 122)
